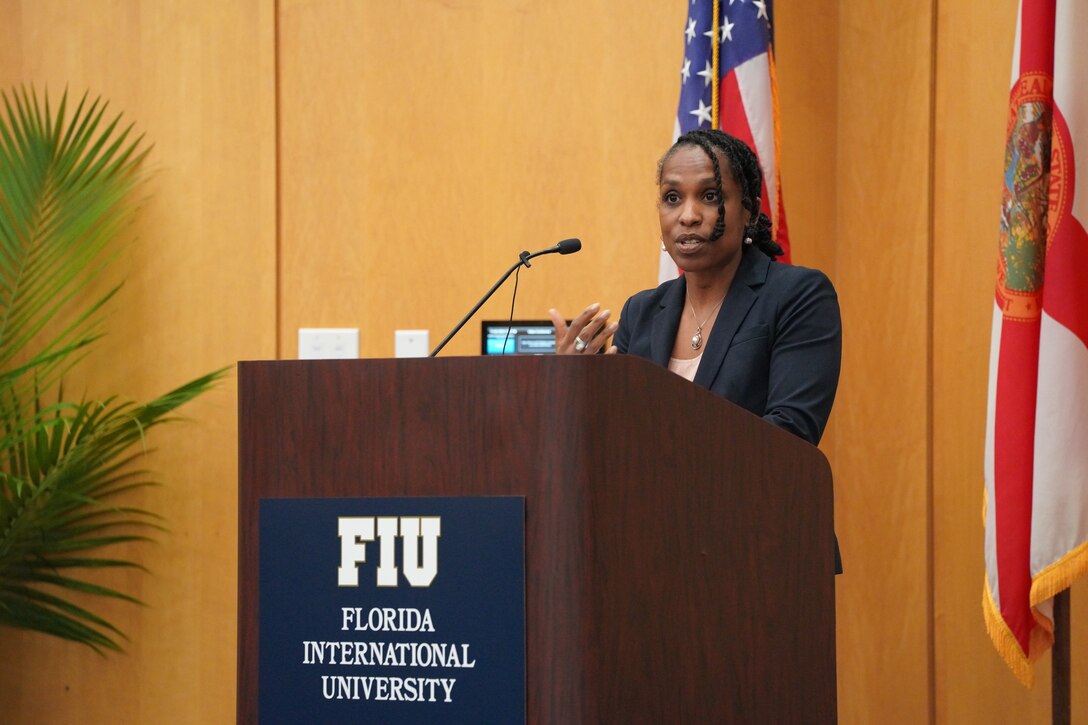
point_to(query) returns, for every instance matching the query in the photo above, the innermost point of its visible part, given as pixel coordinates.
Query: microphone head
(569, 246)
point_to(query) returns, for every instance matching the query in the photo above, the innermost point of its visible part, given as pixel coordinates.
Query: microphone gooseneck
(567, 246)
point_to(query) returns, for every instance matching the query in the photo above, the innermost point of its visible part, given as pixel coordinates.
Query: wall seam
(278, 140)
(931, 624)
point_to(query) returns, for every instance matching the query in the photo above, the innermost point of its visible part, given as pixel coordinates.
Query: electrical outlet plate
(328, 343)
(411, 343)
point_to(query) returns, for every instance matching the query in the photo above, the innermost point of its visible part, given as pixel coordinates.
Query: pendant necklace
(697, 338)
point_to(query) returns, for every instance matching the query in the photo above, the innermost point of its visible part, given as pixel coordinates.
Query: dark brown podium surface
(679, 551)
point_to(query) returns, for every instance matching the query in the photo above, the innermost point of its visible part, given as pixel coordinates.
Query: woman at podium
(764, 335)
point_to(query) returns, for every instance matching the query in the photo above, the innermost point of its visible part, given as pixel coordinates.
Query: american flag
(741, 98)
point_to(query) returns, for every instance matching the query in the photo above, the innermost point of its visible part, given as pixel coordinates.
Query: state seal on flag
(1062, 177)
(1025, 199)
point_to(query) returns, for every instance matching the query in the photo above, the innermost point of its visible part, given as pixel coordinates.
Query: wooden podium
(679, 550)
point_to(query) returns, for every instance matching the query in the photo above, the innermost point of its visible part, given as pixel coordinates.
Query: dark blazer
(775, 348)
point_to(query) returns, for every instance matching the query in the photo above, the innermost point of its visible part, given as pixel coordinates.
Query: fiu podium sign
(392, 610)
(628, 587)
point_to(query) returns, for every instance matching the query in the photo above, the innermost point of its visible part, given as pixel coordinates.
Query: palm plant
(66, 466)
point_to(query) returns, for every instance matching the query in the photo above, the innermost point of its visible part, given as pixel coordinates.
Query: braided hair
(744, 167)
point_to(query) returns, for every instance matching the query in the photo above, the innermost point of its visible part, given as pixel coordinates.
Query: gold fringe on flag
(1005, 641)
(1045, 585)
(1060, 575)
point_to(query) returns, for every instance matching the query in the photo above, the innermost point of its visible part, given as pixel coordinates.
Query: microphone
(567, 246)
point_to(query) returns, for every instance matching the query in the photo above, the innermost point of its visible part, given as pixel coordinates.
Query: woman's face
(688, 207)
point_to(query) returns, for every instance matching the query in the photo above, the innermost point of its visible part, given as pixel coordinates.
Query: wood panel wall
(197, 77)
(378, 165)
(424, 145)
(882, 274)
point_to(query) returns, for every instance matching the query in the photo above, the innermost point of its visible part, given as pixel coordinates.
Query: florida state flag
(1037, 424)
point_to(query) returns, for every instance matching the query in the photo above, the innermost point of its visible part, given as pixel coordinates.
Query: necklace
(697, 338)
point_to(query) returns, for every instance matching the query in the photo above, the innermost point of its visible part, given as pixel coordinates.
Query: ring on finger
(580, 344)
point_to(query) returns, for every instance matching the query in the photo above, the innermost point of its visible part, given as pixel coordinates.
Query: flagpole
(1060, 710)
(715, 49)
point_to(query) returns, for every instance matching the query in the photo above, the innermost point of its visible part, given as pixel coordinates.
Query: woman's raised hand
(589, 332)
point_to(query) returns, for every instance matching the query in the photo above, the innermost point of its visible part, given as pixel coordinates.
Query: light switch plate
(411, 343)
(328, 343)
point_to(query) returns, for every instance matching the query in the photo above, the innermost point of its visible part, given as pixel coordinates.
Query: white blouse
(685, 368)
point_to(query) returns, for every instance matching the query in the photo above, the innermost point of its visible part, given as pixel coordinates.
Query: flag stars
(702, 113)
(706, 74)
(685, 72)
(690, 32)
(727, 29)
(762, 5)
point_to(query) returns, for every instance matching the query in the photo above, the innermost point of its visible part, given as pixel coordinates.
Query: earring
(747, 240)
(663, 245)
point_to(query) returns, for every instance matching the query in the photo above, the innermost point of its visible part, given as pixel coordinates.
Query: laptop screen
(517, 337)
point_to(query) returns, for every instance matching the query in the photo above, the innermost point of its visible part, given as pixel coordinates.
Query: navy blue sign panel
(392, 610)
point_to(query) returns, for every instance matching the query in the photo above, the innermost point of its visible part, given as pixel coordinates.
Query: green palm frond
(66, 183)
